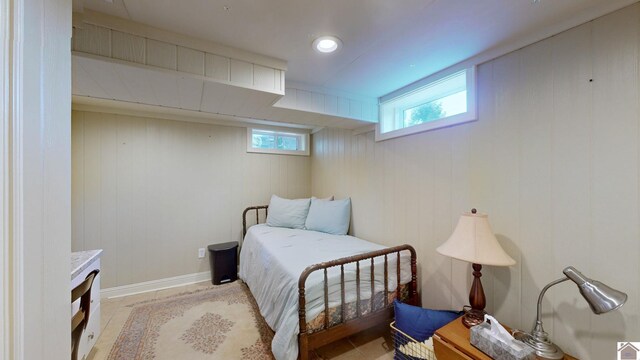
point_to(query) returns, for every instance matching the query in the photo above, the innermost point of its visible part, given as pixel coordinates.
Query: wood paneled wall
(151, 192)
(554, 161)
(36, 176)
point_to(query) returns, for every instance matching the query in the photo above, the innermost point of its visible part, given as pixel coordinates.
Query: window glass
(276, 142)
(263, 141)
(288, 142)
(450, 105)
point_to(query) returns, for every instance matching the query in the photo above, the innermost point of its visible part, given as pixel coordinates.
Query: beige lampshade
(473, 241)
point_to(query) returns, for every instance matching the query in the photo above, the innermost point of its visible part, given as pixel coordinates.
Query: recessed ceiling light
(327, 44)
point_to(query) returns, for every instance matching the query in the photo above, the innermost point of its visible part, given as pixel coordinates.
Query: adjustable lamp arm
(544, 290)
(537, 329)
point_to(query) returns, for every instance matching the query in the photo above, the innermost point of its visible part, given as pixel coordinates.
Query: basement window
(437, 101)
(277, 142)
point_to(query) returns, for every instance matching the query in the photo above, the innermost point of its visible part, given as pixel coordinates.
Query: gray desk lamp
(600, 297)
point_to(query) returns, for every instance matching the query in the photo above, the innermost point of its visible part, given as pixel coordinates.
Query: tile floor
(372, 344)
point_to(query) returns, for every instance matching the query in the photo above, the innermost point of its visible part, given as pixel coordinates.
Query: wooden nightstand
(451, 342)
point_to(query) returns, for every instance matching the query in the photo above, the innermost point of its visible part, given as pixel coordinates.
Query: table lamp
(473, 241)
(600, 297)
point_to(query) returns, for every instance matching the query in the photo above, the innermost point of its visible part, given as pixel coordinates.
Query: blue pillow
(287, 213)
(421, 323)
(331, 217)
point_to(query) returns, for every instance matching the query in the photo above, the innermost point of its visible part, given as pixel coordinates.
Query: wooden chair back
(81, 317)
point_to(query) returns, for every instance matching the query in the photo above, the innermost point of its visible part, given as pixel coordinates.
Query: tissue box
(497, 349)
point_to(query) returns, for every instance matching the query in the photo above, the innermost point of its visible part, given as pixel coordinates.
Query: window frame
(304, 139)
(400, 95)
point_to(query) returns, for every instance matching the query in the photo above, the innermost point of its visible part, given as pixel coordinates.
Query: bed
(314, 288)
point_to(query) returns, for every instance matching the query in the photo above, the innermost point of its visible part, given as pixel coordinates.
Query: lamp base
(474, 314)
(472, 317)
(544, 349)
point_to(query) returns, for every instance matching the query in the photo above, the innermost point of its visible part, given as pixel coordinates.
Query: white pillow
(330, 217)
(288, 213)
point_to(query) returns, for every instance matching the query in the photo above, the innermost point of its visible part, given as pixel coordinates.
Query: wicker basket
(408, 348)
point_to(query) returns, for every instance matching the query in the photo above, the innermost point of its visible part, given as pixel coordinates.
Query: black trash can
(224, 262)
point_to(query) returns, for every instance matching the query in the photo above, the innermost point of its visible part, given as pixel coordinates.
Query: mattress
(272, 259)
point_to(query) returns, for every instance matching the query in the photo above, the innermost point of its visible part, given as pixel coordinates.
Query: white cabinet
(82, 263)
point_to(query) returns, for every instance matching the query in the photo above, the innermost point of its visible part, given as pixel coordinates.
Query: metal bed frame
(309, 341)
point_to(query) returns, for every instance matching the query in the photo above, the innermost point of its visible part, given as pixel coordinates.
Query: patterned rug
(222, 322)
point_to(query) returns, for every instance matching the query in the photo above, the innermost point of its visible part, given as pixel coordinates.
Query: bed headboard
(257, 211)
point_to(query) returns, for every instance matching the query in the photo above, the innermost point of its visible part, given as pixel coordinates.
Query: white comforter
(272, 259)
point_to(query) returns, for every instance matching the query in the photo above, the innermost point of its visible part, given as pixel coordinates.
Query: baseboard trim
(153, 285)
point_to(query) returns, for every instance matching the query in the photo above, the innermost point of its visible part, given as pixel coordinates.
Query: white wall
(36, 179)
(151, 192)
(553, 160)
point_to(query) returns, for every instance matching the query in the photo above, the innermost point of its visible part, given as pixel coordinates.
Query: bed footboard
(308, 341)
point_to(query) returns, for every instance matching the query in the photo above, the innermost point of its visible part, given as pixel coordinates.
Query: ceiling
(387, 44)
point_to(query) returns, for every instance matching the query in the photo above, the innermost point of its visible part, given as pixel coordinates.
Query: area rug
(221, 322)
